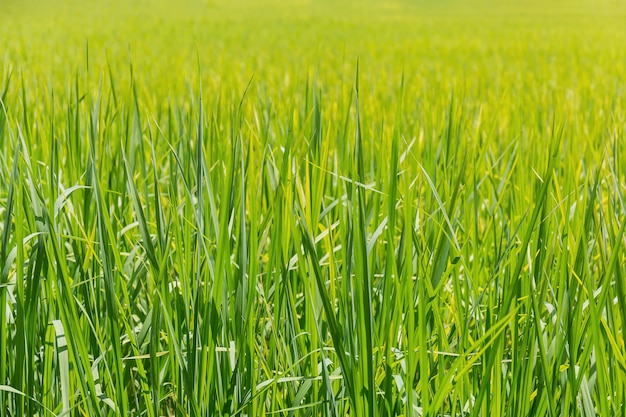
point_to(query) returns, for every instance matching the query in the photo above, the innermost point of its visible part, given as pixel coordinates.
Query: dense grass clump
(266, 209)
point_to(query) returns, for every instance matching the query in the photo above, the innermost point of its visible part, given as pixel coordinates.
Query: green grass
(303, 209)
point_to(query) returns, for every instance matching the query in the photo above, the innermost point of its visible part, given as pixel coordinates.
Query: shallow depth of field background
(259, 207)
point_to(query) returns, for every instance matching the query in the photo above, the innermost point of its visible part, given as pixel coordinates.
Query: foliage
(312, 209)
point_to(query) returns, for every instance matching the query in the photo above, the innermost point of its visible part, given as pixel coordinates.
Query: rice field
(261, 207)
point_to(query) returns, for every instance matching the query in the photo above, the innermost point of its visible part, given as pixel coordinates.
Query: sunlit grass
(312, 209)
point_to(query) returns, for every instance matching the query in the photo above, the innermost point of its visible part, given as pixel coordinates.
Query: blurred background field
(500, 57)
(554, 46)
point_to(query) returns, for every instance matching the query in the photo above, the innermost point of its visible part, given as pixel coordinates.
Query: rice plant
(312, 209)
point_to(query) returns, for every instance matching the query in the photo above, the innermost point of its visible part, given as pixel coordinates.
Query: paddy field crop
(260, 208)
